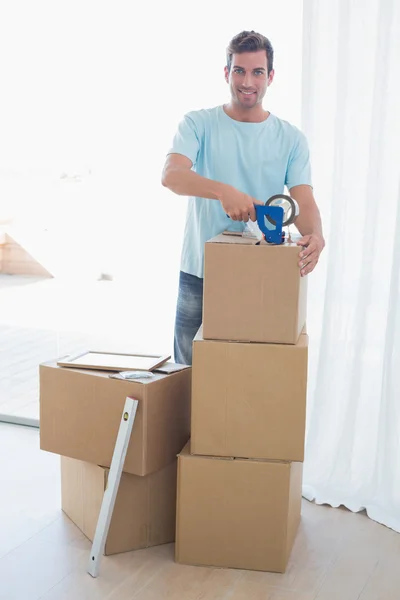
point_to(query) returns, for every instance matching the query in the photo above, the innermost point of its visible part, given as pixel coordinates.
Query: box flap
(185, 450)
(199, 335)
(232, 237)
(301, 343)
(186, 453)
(236, 237)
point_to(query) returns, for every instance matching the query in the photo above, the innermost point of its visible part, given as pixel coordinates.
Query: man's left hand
(313, 245)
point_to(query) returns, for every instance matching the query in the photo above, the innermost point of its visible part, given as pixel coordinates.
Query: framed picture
(114, 361)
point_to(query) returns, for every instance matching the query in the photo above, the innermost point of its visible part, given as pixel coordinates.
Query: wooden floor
(338, 555)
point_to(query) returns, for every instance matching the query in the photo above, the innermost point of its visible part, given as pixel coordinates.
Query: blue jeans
(189, 316)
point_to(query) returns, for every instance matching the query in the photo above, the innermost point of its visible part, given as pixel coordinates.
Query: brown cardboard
(253, 292)
(145, 507)
(249, 399)
(237, 513)
(80, 413)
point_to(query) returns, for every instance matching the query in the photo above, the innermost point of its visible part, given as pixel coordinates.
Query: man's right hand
(238, 205)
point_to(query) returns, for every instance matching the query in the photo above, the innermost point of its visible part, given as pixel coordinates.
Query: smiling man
(227, 159)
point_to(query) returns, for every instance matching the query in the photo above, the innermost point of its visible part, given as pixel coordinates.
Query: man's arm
(309, 224)
(179, 178)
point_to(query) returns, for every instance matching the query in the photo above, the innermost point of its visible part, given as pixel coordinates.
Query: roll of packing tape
(290, 208)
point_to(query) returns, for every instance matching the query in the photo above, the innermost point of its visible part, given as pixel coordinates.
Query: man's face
(248, 78)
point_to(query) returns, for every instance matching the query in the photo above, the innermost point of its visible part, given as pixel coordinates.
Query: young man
(227, 159)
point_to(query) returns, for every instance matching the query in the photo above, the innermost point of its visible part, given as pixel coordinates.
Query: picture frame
(113, 361)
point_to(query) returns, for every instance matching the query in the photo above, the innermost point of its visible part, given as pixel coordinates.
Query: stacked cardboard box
(80, 414)
(240, 477)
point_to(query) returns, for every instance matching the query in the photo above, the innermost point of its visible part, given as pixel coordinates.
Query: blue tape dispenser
(278, 212)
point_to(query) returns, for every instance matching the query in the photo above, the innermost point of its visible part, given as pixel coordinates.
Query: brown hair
(250, 41)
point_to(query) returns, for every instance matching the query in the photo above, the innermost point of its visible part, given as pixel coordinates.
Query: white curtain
(351, 116)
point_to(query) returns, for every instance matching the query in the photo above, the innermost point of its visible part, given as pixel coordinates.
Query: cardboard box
(253, 292)
(249, 399)
(145, 507)
(237, 513)
(80, 414)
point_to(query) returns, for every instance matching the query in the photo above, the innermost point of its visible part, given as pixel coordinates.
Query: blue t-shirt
(256, 158)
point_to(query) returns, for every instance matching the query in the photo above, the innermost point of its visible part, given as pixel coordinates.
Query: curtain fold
(350, 114)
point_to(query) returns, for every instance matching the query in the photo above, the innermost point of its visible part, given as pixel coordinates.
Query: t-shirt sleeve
(187, 139)
(298, 171)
